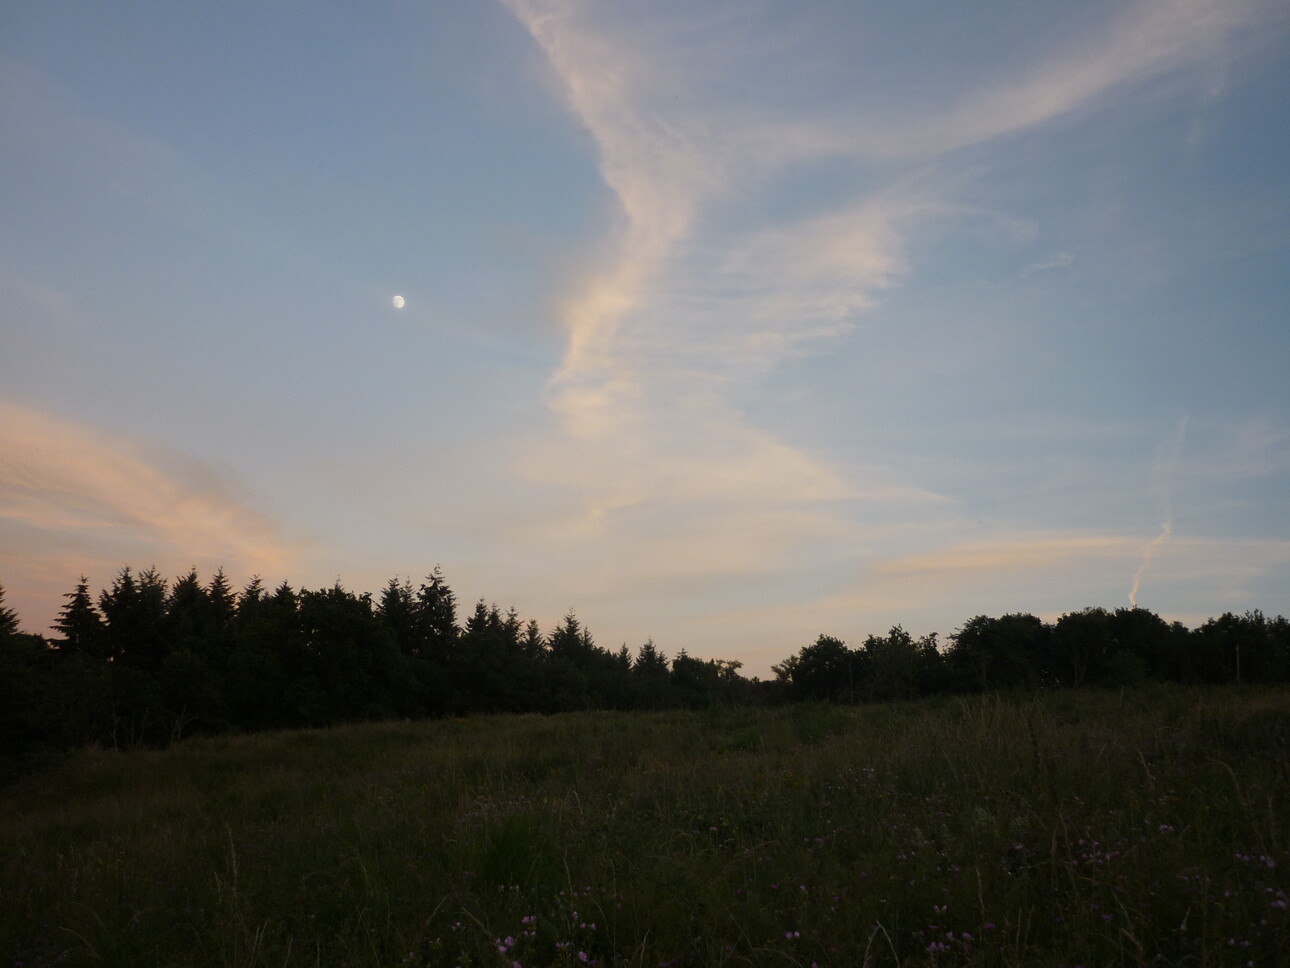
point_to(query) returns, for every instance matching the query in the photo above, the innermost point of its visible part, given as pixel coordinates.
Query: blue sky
(726, 324)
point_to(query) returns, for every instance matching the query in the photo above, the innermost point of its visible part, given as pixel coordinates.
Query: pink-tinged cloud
(75, 499)
(1224, 567)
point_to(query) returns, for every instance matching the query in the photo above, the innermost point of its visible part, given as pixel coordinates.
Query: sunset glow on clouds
(726, 325)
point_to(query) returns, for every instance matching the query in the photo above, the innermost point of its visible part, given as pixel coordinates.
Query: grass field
(1072, 829)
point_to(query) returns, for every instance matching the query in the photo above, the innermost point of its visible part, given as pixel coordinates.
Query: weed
(1091, 828)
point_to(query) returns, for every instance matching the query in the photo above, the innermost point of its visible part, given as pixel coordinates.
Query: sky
(726, 324)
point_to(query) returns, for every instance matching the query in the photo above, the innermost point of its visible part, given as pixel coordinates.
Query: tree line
(1093, 646)
(148, 661)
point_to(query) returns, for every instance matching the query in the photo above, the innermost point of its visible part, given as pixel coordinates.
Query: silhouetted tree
(486, 669)
(569, 641)
(1083, 643)
(267, 655)
(26, 665)
(135, 610)
(1241, 648)
(892, 666)
(1145, 646)
(826, 669)
(436, 619)
(252, 595)
(8, 618)
(532, 642)
(398, 611)
(1011, 652)
(189, 616)
(223, 601)
(352, 666)
(80, 624)
(651, 682)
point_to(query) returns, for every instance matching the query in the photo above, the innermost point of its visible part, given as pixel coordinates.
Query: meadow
(1071, 828)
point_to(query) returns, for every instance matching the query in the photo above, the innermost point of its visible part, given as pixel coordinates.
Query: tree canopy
(152, 660)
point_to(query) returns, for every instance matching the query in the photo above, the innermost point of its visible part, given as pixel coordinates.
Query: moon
(399, 302)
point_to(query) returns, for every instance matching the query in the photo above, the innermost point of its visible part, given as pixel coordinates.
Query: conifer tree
(532, 643)
(80, 623)
(650, 660)
(8, 618)
(511, 630)
(567, 639)
(223, 601)
(188, 612)
(436, 617)
(397, 610)
(252, 595)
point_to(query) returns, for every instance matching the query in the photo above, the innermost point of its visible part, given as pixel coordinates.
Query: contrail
(1162, 477)
(1148, 553)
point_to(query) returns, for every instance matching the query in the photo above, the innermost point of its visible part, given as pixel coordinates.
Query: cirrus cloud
(74, 499)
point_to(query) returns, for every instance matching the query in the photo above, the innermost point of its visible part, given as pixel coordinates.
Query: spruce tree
(223, 601)
(397, 610)
(8, 619)
(134, 610)
(80, 623)
(252, 595)
(436, 618)
(533, 644)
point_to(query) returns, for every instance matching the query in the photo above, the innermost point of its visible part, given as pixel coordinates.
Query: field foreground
(1073, 829)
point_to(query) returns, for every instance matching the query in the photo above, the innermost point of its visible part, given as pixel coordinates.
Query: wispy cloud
(1064, 571)
(726, 261)
(674, 312)
(1163, 471)
(1147, 40)
(658, 293)
(1059, 261)
(699, 290)
(1009, 555)
(73, 497)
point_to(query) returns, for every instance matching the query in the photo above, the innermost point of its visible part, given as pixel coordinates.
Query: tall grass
(1072, 829)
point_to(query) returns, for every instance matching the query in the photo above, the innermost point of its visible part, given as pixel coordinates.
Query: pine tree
(397, 610)
(650, 660)
(223, 601)
(252, 595)
(134, 610)
(188, 612)
(437, 617)
(80, 623)
(8, 619)
(566, 640)
(533, 644)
